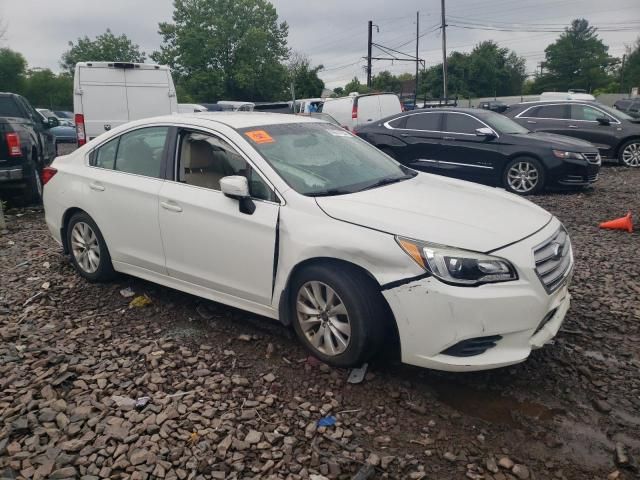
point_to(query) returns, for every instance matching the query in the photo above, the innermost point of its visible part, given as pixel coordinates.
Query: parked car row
(299, 220)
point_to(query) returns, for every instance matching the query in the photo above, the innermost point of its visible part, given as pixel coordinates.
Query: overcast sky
(331, 32)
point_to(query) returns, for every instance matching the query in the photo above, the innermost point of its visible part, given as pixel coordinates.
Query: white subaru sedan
(298, 220)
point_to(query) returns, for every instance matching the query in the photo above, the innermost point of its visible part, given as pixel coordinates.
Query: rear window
(424, 121)
(9, 108)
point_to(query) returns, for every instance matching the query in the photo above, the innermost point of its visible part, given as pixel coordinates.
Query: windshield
(615, 113)
(502, 124)
(46, 113)
(322, 159)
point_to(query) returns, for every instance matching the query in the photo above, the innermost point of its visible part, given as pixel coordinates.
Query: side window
(398, 122)
(205, 159)
(584, 112)
(424, 121)
(553, 111)
(459, 123)
(140, 152)
(105, 155)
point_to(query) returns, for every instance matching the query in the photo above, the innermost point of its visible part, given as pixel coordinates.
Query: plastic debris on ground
(140, 301)
(127, 292)
(357, 374)
(142, 402)
(328, 421)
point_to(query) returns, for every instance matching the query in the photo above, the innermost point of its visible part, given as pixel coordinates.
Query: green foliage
(632, 68)
(230, 49)
(355, 86)
(385, 81)
(45, 89)
(13, 68)
(306, 81)
(105, 47)
(577, 59)
(338, 92)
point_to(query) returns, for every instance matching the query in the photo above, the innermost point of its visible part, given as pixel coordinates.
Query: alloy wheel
(523, 177)
(631, 155)
(85, 247)
(323, 318)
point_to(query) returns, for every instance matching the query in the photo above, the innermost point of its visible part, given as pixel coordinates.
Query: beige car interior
(205, 160)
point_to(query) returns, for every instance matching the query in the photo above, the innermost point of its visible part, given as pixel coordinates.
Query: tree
(306, 81)
(385, 81)
(44, 88)
(631, 73)
(338, 92)
(355, 86)
(105, 47)
(13, 68)
(226, 49)
(577, 59)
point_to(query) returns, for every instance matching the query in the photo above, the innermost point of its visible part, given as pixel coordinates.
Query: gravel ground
(232, 395)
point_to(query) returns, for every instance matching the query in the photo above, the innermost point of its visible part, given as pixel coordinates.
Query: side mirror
(237, 187)
(485, 132)
(603, 121)
(53, 122)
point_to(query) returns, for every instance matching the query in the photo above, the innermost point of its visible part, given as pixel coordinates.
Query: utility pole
(369, 53)
(415, 96)
(444, 52)
(624, 57)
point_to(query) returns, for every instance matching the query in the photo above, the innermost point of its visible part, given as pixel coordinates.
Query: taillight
(82, 137)
(47, 174)
(13, 143)
(354, 110)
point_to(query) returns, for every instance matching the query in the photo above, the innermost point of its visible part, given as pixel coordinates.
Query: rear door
(466, 155)
(368, 109)
(103, 98)
(422, 134)
(149, 92)
(584, 125)
(552, 118)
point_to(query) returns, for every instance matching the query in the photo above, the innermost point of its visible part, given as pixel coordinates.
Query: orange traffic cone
(624, 223)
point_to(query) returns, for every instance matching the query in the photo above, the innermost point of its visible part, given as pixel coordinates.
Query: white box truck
(108, 94)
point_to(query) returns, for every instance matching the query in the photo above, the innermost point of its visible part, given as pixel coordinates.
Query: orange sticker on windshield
(259, 136)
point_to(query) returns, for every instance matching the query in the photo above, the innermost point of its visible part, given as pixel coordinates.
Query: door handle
(171, 206)
(573, 126)
(448, 138)
(404, 134)
(96, 186)
(531, 121)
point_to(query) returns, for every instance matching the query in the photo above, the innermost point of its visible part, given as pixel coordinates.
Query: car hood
(441, 210)
(560, 142)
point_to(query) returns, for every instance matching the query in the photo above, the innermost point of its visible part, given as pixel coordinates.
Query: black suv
(630, 106)
(485, 147)
(26, 146)
(616, 134)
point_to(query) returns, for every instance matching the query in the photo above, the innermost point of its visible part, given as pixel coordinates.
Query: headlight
(458, 267)
(563, 154)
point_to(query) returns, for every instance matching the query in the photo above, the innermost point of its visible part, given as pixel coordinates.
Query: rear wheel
(33, 187)
(337, 314)
(524, 176)
(629, 155)
(89, 252)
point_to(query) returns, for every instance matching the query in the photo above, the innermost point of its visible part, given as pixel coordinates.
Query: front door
(466, 155)
(208, 241)
(584, 124)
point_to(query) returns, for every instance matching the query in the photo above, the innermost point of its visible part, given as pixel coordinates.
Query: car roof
(535, 102)
(236, 120)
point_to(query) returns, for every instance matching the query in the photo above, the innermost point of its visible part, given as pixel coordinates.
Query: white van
(570, 95)
(356, 109)
(108, 94)
(233, 106)
(191, 108)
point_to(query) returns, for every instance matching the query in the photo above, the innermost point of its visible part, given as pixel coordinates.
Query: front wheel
(337, 314)
(629, 155)
(89, 252)
(524, 176)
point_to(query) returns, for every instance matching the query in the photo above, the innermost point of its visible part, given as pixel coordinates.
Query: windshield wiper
(387, 181)
(329, 193)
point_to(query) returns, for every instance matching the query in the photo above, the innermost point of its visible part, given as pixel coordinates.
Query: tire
(629, 154)
(33, 187)
(355, 335)
(88, 250)
(532, 176)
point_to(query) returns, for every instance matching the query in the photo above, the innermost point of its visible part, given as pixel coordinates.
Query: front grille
(573, 179)
(554, 260)
(593, 178)
(593, 158)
